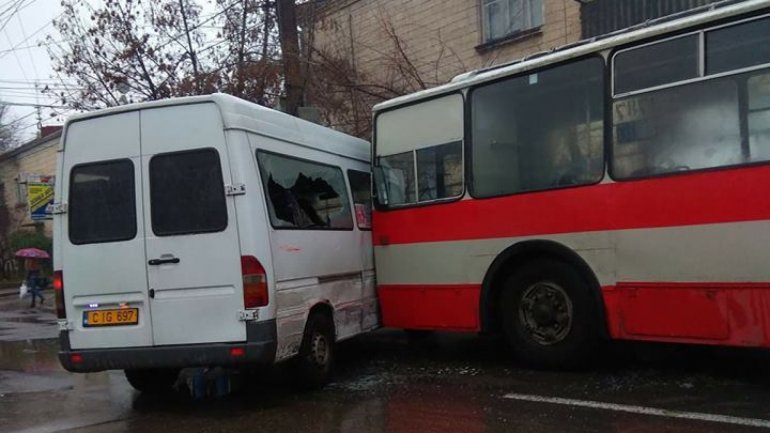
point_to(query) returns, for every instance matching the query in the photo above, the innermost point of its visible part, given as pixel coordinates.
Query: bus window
(678, 129)
(759, 117)
(439, 171)
(398, 172)
(653, 65)
(740, 46)
(539, 131)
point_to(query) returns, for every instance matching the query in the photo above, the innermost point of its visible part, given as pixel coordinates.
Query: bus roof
(240, 114)
(681, 21)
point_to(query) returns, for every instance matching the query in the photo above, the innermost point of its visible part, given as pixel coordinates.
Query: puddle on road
(30, 356)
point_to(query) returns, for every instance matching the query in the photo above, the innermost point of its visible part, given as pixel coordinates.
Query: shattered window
(303, 194)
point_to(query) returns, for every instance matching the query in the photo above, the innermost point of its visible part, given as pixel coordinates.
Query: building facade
(24, 174)
(440, 39)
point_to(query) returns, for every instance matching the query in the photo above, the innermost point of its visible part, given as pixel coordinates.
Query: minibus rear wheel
(548, 315)
(315, 360)
(153, 381)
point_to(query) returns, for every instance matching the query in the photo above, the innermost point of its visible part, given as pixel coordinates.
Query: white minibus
(209, 231)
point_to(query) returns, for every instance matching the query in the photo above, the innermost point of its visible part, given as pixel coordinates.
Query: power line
(24, 104)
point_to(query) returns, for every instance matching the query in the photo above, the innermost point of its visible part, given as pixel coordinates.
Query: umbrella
(32, 253)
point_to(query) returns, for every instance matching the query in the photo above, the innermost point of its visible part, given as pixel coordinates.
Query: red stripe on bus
(717, 313)
(698, 198)
(450, 307)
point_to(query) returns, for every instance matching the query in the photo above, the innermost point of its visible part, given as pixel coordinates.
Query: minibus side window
(304, 194)
(361, 187)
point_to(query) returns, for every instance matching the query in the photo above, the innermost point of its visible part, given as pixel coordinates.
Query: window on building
(303, 194)
(503, 18)
(361, 188)
(539, 131)
(187, 193)
(102, 202)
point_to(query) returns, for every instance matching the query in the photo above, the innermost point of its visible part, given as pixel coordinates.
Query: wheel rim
(319, 350)
(546, 313)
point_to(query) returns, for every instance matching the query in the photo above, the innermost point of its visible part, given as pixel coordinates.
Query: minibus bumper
(258, 349)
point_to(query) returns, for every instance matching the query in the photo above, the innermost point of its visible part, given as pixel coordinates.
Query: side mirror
(380, 187)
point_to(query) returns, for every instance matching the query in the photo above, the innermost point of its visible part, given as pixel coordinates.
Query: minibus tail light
(254, 282)
(58, 291)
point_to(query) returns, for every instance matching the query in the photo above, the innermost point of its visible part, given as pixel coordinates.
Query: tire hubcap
(319, 350)
(546, 313)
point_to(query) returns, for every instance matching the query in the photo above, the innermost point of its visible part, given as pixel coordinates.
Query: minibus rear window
(102, 202)
(187, 193)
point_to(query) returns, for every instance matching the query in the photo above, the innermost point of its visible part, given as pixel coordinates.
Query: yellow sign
(39, 195)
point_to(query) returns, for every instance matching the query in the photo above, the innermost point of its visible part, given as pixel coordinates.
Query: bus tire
(153, 381)
(549, 316)
(315, 361)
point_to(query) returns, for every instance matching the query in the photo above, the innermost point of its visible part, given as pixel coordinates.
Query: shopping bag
(23, 290)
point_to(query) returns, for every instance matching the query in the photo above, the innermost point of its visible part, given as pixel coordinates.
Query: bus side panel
(444, 307)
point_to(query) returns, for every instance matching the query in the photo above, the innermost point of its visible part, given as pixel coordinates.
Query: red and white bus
(617, 188)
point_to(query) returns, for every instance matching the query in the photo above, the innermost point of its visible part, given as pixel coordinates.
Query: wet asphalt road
(388, 383)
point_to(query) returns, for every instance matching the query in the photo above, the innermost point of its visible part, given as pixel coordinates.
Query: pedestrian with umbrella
(32, 257)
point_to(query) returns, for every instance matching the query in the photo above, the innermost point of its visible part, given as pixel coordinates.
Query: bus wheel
(548, 315)
(315, 361)
(153, 381)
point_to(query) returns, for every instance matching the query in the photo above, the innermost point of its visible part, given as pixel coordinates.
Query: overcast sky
(23, 63)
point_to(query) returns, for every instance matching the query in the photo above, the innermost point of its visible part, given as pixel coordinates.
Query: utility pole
(39, 112)
(287, 32)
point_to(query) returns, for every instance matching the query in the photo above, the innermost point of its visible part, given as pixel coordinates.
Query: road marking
(643, 410)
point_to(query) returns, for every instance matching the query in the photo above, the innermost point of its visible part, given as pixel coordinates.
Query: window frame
(703, 77)
(69, 199)
(307, 161)
(464, 149)
(528, 28)
(224, 194)
(702, 61)
(371, 197)
(469, 131)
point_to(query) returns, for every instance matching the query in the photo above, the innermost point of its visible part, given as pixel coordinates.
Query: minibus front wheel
(315, 360)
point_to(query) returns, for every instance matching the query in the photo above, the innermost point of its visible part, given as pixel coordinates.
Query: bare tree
(8, 129)
(127, 51)
(251, 54)
(346, 92)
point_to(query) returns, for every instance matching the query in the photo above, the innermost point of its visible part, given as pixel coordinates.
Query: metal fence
(600, 17)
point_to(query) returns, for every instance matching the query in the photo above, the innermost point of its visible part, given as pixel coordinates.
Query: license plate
(117, 317)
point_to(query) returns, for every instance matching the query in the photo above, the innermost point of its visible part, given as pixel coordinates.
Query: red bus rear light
(254, 282)
(58, 291)
(237, 352)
